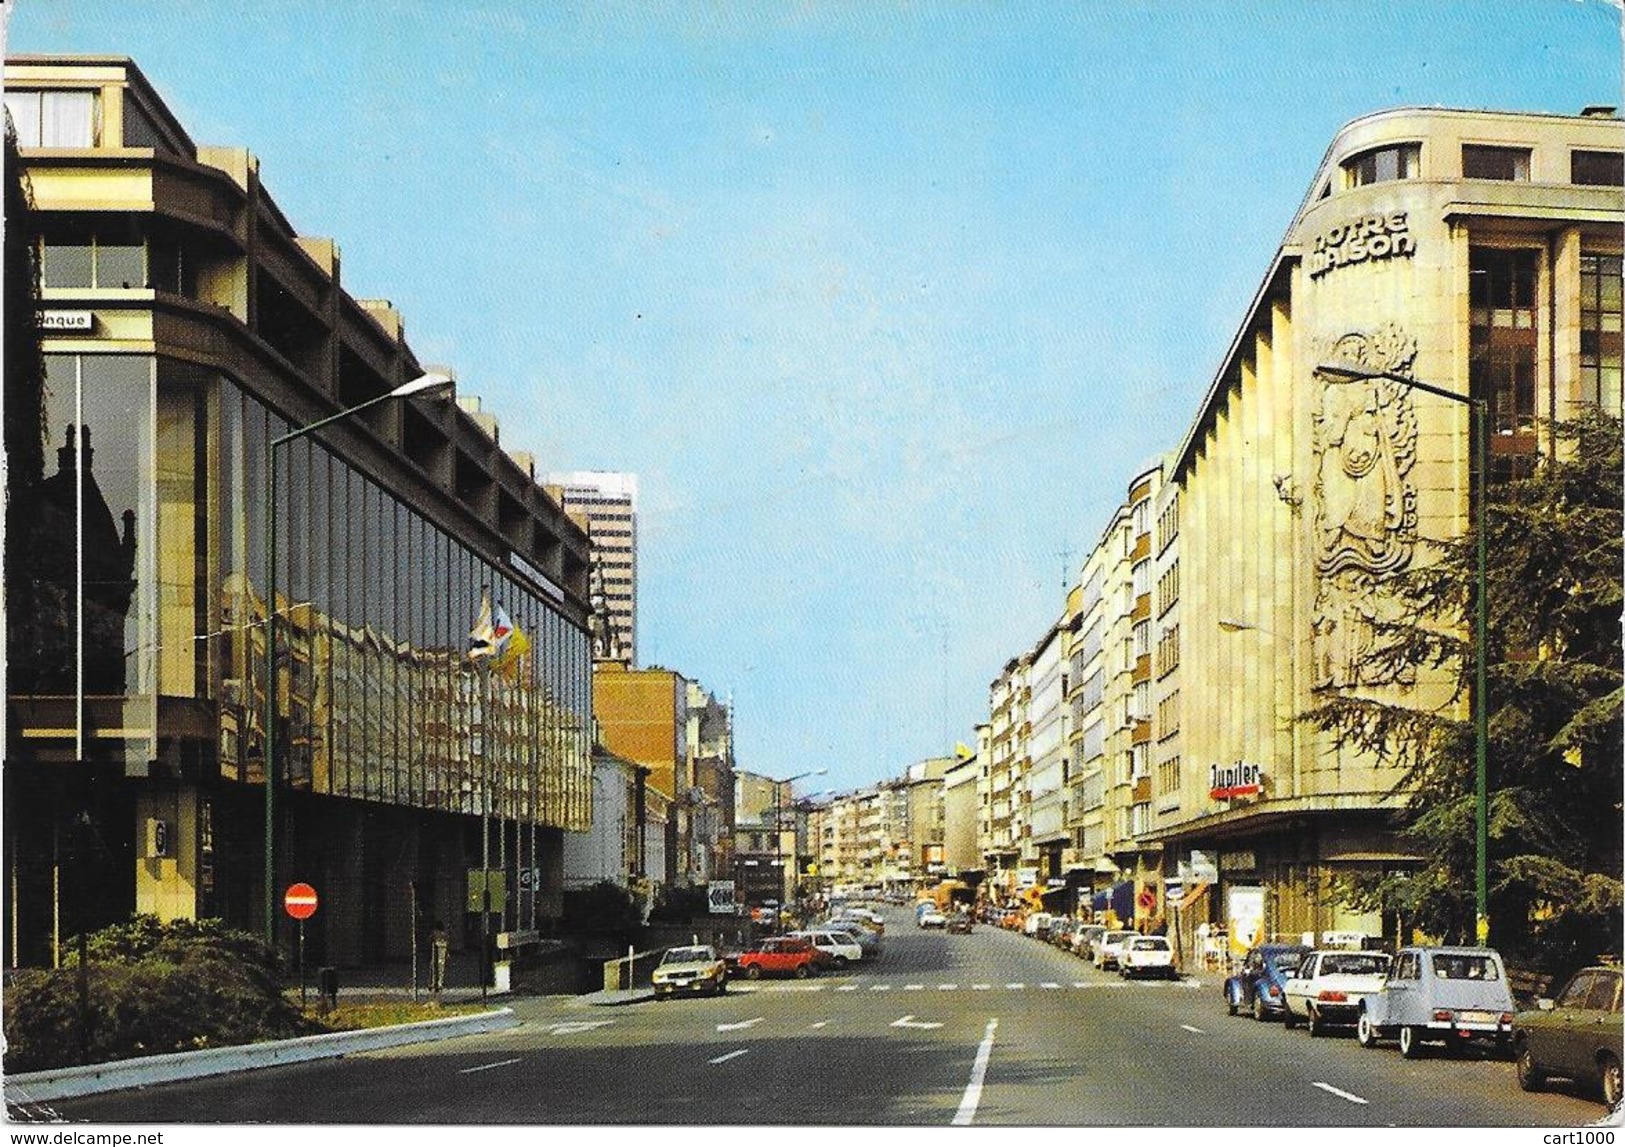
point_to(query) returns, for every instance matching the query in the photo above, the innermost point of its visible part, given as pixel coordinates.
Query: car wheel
(722, 987)
(803, 971)
(1231, 1001)
(1289, 1018)
(1410, 1042)
(1530, 1077)
(1365, 1032)
(1258, 1007)
(840, 962)
(754, 972)
(1312, 1022)
(1613, 1085)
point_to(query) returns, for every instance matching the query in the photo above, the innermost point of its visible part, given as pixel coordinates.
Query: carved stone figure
(1365, 505)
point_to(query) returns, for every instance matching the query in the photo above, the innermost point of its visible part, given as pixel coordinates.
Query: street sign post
(300, 901)
(720, 896)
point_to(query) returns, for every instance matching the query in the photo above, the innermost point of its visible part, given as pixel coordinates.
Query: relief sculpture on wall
(1365, 505)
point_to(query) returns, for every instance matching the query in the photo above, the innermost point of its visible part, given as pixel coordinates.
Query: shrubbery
(154, 988)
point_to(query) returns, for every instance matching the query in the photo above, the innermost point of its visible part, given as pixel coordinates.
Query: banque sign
(1369, 237)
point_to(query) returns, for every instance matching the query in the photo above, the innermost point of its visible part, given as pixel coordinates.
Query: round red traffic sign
(299, 901)
(1147, 898)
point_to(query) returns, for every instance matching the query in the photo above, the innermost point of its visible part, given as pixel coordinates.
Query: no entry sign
(299, 901)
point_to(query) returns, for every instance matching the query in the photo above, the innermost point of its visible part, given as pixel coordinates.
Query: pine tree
(1555, 746)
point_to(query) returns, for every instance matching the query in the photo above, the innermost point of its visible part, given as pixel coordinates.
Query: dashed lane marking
(741, 1025)
(914, 987)
(1341, 1094)
(1015, 987)
(880, 987)
(1194, 1031)
(847, 988)
(1049, 985)
(980, 987)
(487, 1066)
(978, 1073)
(731, 1055)
(947, 987)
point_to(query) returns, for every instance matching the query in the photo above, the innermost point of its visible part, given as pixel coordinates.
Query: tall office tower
(609, 503)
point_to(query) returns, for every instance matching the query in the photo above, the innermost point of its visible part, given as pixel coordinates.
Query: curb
(95, 1078)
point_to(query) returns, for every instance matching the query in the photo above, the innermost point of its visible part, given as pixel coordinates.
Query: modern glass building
(185, 326)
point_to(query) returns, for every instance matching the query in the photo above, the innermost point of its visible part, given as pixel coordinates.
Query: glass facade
(81, 568)
(1600, 277)
(377, 698)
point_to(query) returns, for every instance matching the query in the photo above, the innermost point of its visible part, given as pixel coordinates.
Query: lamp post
(1480, 450)
(778, 827)
(424, 382)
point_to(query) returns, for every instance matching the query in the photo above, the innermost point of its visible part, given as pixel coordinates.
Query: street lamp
(778, 827)
(431, 380)
(1480, 449)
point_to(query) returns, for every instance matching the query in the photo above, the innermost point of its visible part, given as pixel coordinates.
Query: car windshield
(1287, 959)
(1150, 943)
(687, 956)
(1117, 937)
(1454, 967)
(1354, 964)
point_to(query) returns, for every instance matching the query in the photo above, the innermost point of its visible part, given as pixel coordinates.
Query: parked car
(868, 939)
(1329, 986)
(1259, 985)
(932, 917)
(960, 922)
(1037, 925)
(1147, 956)
(1450, 995)
(1110, 947)
(694, 970)
(1060, 931)
(780, 955)
(838, 948)
(1084, 940)
(1577, 1036)
(869, 915)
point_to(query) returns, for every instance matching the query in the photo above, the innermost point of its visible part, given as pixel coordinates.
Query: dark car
(1577, 1036)
(960, 922)
(1259, 985)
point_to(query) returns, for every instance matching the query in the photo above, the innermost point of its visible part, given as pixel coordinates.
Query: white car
(1329, 987)
(1146, 956)
(841, 948)
(933, 918)
(1036, 923)
(1109, 948)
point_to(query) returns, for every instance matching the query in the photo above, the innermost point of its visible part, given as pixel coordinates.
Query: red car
(781, 955)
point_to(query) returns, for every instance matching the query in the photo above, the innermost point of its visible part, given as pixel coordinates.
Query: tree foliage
(1554, 701)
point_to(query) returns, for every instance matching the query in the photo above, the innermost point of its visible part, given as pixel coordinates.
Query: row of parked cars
(1129, 953)
(842, 940)
(1452, 996)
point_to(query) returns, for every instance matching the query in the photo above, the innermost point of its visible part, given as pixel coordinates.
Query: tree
(1555, 746)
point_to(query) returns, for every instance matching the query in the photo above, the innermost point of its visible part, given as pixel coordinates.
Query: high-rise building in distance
(609, 502)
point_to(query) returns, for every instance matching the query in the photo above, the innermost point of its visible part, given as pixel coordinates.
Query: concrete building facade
(607, 502)
(186, 325)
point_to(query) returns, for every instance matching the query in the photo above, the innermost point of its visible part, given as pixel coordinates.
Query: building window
(110, 256)
(53, 119)
(1597, 168)
(1503, 358)
(1510, 164)
(1383, 164)
(1600, 331)
(1168, 776)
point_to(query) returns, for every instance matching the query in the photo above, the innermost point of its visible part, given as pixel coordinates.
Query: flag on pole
(496, 636)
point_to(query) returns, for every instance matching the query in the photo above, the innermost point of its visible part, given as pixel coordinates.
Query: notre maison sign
(1374, 236)
(1242, 779)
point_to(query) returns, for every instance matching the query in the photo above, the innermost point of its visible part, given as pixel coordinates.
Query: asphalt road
(990, 1029)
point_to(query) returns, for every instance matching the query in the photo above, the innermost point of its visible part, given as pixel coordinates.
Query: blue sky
(883, 302)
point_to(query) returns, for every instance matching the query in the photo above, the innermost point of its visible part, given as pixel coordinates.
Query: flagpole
(485, 831)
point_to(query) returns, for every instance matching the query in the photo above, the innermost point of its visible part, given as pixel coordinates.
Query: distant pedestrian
(439, 952)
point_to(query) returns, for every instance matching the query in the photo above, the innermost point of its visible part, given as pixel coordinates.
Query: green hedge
(154, 988)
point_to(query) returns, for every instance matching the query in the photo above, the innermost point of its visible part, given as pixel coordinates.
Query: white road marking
(1049, 985)
(577, 1027)
(745, 989)
(1015, 987)
(911, 1022)
(913, 987)
(821, 1024)
(947, 987)
(486, 1067)
(731, 1055)
(880, 988)
(847, 988)
(978, 1073)
(1341, 1094)
(1197, 1031)
(980, 987)
(1080, 983)
(740, 1025)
